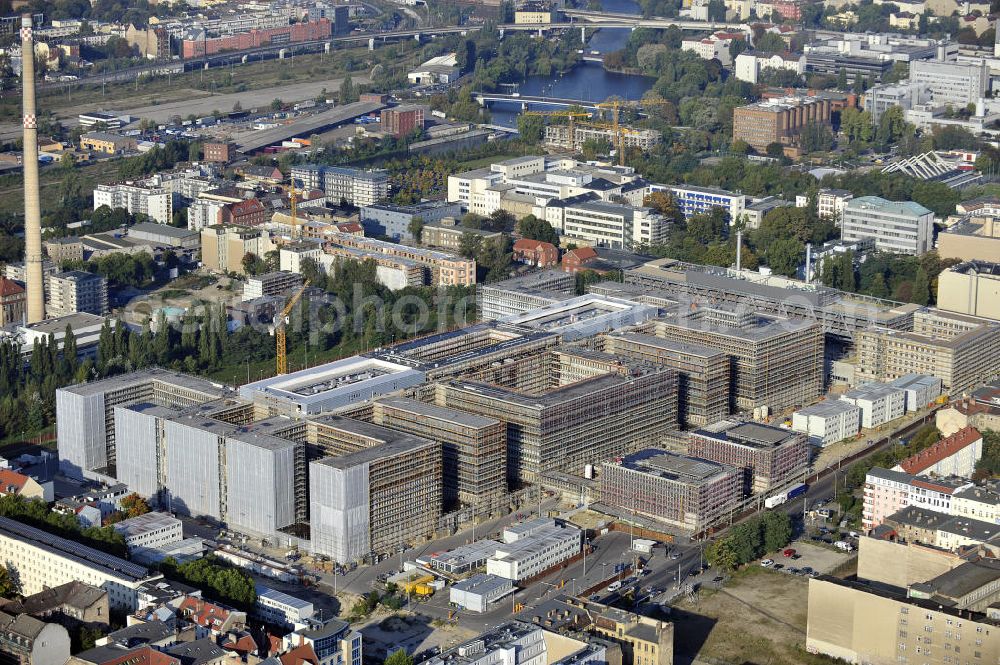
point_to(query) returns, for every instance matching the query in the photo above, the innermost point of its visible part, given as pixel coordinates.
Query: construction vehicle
(418, 585)
(279, 330)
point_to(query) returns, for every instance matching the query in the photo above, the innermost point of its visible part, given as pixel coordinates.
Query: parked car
(767, 563)
(788, 553)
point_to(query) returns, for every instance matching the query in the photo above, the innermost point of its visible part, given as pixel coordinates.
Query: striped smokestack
(32, 205)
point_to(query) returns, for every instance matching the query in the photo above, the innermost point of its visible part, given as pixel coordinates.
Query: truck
(782, 497)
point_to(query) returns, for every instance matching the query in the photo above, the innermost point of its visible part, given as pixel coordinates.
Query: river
(588, 80)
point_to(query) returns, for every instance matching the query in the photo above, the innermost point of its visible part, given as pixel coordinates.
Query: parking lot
(808, 558)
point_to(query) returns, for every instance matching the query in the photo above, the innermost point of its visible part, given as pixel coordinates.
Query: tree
(134, 505)
(253, 264)
(783, 256)
(770, 42)
(416, 228)
(530, 127)
(537, 229)
(8, 585)
(921, 287)
(399, 657)
(347, 92)
(277, 104)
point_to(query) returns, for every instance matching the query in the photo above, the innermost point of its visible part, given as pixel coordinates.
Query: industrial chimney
(32, 205)
(739, 251)
(809, 249)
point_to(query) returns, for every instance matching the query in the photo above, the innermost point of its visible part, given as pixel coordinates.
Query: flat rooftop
(73, 551)
(387, 442)
(673, 466)
(136, 526)
(671, 345)
(826, 408)
(154, 374)
(747, 434)
(434, 412)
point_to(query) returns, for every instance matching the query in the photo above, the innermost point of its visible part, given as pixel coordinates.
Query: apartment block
(886, 492)
(770, 457)
(687, 493)
(394, 221)
(155, 202)
(962, 351)
(606, 224)
(642, 139)
(566, 409)
(938, 529)
(776, 362)
(828, 422)
(694, 200)
(954, 455)
(702, 372)
(474, 448)
(42, 560)
(879, 403)
(270, 284)
(376, 489)
(748, 65)
(443, 269)
(13, 302)
(85, 413)
(900, 227)
(355, 186)
(779, 121)
(863, 622)
(223, 247)
(76, 291)
(830, 203)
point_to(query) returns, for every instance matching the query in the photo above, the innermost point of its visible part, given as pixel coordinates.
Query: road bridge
(526, 101)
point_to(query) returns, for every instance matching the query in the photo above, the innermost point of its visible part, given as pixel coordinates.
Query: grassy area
(50, 178)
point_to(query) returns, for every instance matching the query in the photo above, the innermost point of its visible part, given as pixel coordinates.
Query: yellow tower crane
(618, 130)
(279, 330)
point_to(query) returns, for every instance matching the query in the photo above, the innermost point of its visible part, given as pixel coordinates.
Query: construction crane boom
(279, 330)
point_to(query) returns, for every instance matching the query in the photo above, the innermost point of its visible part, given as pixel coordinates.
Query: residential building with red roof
(577, 259)
(116, 655)
(300, 655)
(211, 619)
(249, 212)
(13, 302)
(536, 253)
(12, 482)
(955, 455)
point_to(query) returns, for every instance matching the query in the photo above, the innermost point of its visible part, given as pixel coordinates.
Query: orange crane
(279, 330)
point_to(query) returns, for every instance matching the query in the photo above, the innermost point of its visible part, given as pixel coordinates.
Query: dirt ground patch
(415, 633)
(758, 617)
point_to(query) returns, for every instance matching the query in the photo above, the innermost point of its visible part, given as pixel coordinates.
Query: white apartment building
(596, 222)
(75, 291)
(749, 65)
(355, 186)
(42, 561)
(534, 552)
(879, 403)
(828, 422)
(979, 503)
(830, 204)
(920, 389)
(955, 84)
(713, 47)
(954, 455)
(203, 212)
(901, 227)
(156, 202)
(290, 257)
(280, 608)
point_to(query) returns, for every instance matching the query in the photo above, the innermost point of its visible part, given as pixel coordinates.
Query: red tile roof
(142, 656)
(9, 287)
(527, 244)
(583, 253)
(245, 644)
(203, 613)
(944, 448)
(11, 482)
(299, 656)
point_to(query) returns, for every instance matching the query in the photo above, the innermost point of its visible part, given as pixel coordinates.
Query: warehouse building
(162, 235)
(770, 456)
(828, 422)
(776, 362)
(376, 490)
(879, 403)
(85, 417)
(331, 386)
(702, 372)
(480, 592)
(568, 408)
(43, 561)
(474, 447)
(533, 547)
(683, 492)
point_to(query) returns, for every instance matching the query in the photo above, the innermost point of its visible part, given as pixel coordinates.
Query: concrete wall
(900, 565)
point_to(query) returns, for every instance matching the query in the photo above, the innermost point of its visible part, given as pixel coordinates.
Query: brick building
(778, 121)
(402, 120)
(12, 302)
(250, 212)
(771, 456)
(536, 253)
